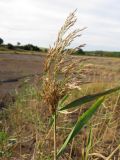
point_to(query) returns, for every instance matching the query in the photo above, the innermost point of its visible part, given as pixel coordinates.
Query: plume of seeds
(53, 88)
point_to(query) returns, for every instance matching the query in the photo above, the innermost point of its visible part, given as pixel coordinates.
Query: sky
(38, 21)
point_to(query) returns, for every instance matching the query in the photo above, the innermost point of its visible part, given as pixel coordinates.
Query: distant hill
(103, 53)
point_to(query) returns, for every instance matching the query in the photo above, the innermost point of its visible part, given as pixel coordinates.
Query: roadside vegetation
(103, 53)
(21, 49)
(32, 49)
(56, 117)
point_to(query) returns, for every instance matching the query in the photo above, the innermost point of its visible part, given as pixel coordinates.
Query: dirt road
(13, 66)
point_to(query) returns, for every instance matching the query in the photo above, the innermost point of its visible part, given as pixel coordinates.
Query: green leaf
(51, 120)
(61, 102)
(80, 123)
(3, 136)
(89, 144)
(88, 98)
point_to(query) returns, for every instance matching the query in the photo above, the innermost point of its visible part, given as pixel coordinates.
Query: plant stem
(55, 149)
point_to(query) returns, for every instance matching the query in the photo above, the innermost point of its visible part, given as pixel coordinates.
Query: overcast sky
(37, 22)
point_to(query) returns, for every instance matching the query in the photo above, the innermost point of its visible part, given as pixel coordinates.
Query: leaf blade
(80, 123)
(88, 98)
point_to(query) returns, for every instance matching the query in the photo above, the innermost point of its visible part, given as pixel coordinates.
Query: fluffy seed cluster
(55, 88)
(52, 93)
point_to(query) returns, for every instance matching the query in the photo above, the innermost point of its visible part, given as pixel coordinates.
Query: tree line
(28, 47)
(31, 47)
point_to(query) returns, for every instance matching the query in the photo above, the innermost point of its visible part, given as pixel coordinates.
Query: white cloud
(37, 21)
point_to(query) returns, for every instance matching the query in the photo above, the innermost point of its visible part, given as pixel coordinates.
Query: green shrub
(1, 41)
(30, 47)
(10, 46)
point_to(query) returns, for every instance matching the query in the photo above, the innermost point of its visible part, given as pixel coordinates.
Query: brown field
(27, 122)
(15, 66)
(95, 69)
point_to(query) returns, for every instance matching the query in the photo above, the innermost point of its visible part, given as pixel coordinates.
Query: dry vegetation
(27, 126)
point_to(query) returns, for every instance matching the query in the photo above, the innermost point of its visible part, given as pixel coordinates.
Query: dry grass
(28, 122)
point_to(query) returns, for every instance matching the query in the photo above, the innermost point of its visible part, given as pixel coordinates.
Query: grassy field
(65, 114)
(27, 131)
(43, 51)
(4, 50)
(103, 53)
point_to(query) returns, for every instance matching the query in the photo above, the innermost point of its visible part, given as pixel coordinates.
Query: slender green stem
(55, 148)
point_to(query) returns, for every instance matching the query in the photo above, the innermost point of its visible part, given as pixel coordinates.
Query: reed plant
(56, 87)
(39, 122)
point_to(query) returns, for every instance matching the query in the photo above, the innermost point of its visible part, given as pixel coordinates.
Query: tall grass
(54, 90)
(39, 123)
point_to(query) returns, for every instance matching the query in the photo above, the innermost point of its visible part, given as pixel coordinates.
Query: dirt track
(14, 66)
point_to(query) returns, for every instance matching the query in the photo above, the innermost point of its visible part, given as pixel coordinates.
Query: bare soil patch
(15, 66)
